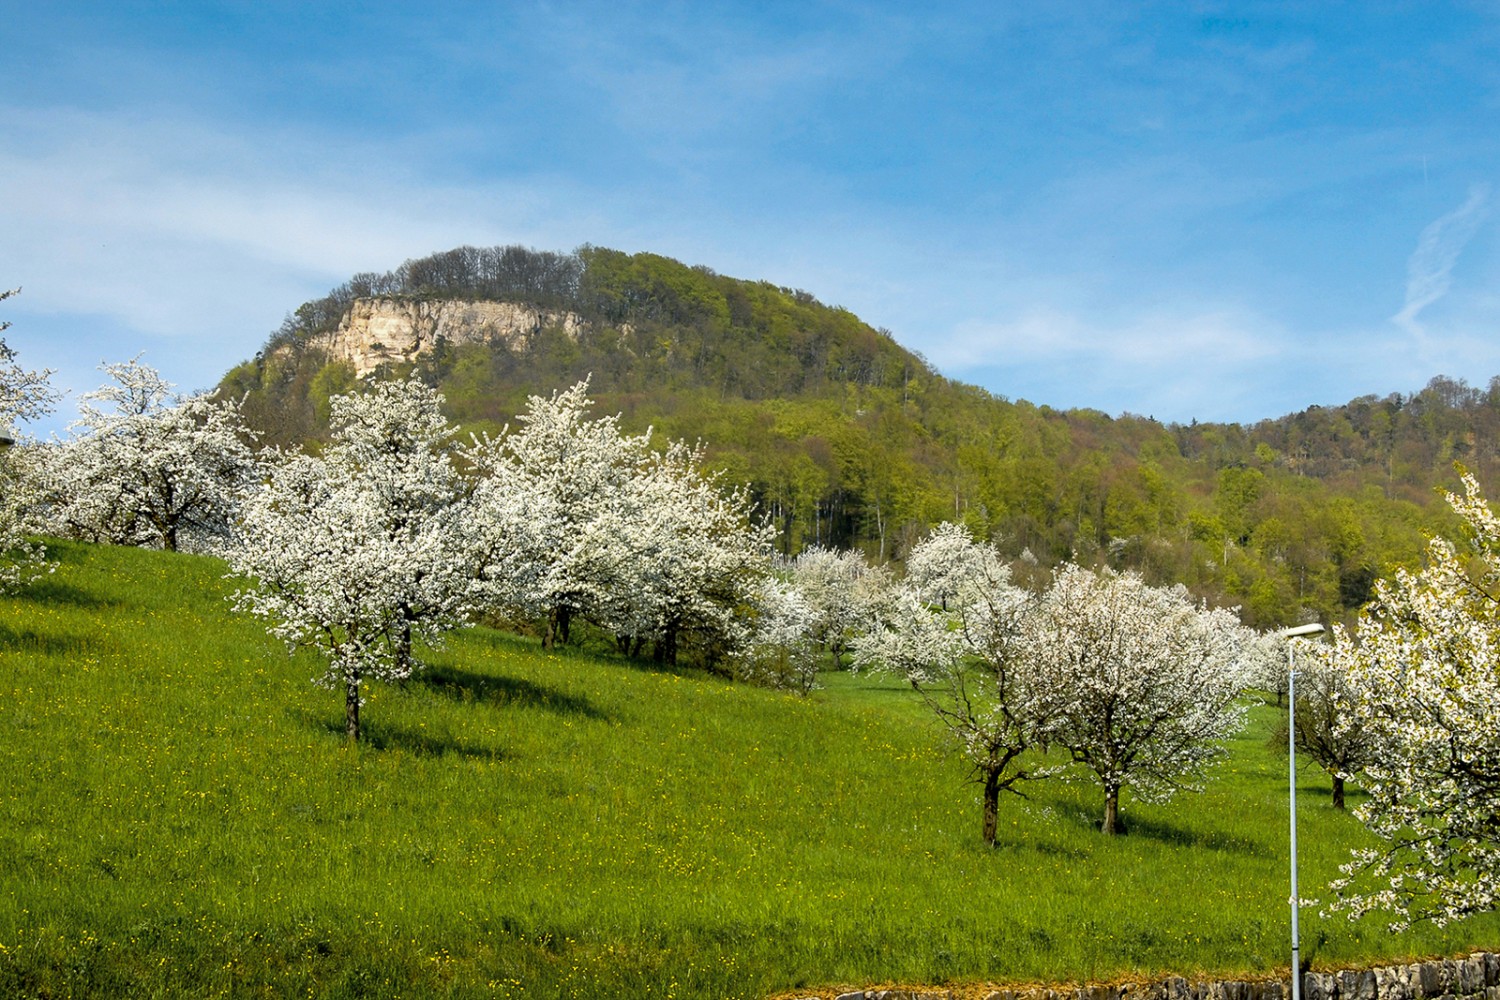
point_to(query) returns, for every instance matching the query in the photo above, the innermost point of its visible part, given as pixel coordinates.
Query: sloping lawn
(180, 816)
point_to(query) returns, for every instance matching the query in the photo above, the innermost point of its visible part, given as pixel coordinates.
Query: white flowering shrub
(1423, 673)
(553, 505)
(362, 550)
(1262, 665)
(695, 560)
(1326, 732)
(947, 565)
(595, 525)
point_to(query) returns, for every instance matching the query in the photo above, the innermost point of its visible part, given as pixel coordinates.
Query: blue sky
(1189, 211)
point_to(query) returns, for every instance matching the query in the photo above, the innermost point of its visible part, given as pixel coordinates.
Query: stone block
(1319, 986)
(1392, 983)
(1231, 989)
(1470, 975)
(1357, 984)
(1177, 988)
(1263, 990)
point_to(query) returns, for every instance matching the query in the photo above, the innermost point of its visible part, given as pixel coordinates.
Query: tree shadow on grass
(28, 641)
(49, 591)
(1171, 833)
(466, 685)
(384, 736)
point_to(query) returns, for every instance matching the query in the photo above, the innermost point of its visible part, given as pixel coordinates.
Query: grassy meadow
(180, 816)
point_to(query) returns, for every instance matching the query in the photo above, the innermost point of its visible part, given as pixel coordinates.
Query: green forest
(850, 440)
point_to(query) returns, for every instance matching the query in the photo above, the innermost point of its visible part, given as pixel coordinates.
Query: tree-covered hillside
(848, 439)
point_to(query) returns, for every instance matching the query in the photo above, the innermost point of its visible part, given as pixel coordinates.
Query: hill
(181, 817)
(848, 439)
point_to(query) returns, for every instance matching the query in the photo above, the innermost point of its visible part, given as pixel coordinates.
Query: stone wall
(1476, 977)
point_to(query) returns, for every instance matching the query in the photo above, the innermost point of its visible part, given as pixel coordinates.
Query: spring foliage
(361, 550)
(1149, 676)
(147, 467)
(956, 630)
(1136, 684)
(25, 394)
(1423, 669)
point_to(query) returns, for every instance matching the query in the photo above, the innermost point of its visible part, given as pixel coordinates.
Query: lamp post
(1291, 753)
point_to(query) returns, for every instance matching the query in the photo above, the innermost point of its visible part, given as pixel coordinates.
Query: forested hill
(849, 439)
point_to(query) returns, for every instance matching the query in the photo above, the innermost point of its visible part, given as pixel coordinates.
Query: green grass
(180, 816)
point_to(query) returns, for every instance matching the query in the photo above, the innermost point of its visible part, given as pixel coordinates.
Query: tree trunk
(351, 707)
(666, 647)
(991, 805)
(549, 634)
(1338, 792)
(403, 642)
(1111, 825)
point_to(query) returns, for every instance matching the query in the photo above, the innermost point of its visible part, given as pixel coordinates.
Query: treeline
(849, 440)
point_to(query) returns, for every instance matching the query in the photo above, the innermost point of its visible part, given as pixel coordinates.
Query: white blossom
(146, 467)
(24, 395)
(968, 664)
(781, 651)
(1325, 731)
(1423, 668)
(695, 557)
(1150, 693)
(948, 566)
(844, 593)
(551, 506)
(362, 550)
(595, 525)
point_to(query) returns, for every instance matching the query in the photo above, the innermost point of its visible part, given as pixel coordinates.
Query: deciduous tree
(1334, 741)
(556, 488)
(1149, 676)
(968, 664)
(1423, 666)
(147, 467)
(844, 593)
(24, 395)
(360, 551)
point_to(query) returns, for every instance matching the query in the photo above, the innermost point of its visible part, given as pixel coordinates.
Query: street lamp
(1291, 751)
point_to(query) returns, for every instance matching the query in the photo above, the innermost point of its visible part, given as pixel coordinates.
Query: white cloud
(1429, 269)
(1148, 341)
(156, 222)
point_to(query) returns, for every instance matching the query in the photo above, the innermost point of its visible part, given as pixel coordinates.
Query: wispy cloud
(1173, 364)
(1429, 270)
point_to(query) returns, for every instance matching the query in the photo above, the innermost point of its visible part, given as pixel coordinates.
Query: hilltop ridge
(849, 439)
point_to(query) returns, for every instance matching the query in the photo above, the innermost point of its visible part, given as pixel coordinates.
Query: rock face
(380, 330)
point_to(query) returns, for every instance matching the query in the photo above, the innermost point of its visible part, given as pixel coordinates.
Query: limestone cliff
(376, 331)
